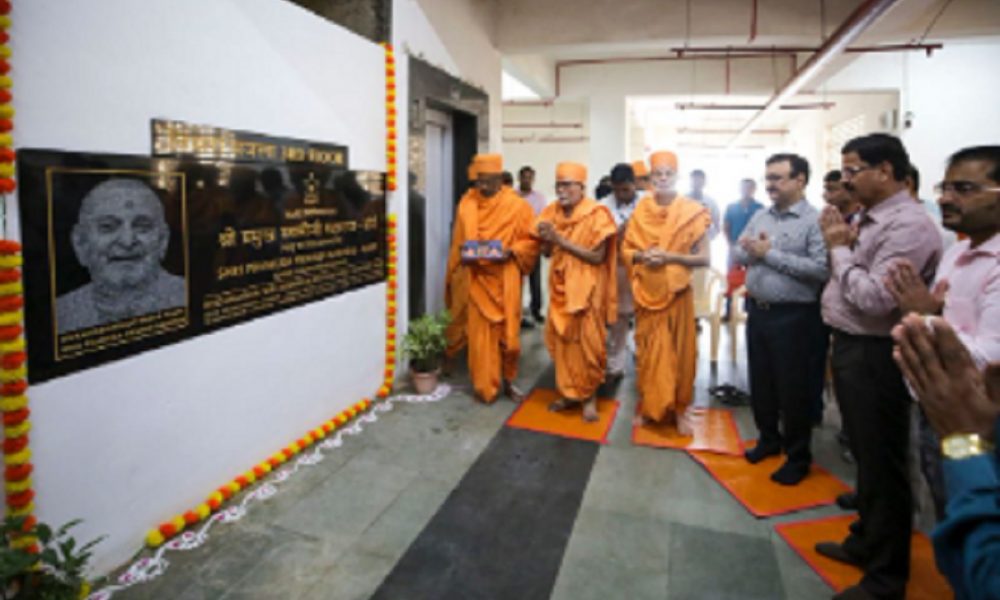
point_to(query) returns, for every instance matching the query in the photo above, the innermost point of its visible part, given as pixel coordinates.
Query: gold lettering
(227, 239)
(225, 272)
(258, 237)
(295, 154)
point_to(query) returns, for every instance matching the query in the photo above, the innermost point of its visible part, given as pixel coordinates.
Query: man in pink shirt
(861, 311)
(526, 179)
(966, 291)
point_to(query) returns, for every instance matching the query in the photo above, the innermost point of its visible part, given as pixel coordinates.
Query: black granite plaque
(127, 253)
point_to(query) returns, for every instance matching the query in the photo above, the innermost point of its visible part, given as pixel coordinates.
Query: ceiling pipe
(544, 125)
(722, 106)
(929, 49)
(720, 146)
(527, 102)
(710, 131)
(861, 19)
(560, 65)
(545, 140)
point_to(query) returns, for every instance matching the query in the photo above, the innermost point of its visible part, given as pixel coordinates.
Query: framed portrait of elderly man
(112, 238)
(120, 238)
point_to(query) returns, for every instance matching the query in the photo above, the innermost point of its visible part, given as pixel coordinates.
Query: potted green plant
(424, 345)
(56, 572)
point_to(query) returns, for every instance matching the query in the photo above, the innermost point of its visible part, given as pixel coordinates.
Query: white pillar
(608, 133)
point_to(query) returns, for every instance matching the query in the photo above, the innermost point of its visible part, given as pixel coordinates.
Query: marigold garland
(13, 403)
(390, 308)
(390, 117)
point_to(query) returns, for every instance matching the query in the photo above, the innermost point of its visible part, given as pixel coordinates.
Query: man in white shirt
(621, 202)
(526, 180)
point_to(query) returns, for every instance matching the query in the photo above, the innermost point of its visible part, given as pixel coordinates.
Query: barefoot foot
(512, 392)
(640, 421)
(590, 410)
(685, 424)
(561, 405)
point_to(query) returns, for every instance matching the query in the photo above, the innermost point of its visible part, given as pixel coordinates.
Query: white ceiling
(582, 29)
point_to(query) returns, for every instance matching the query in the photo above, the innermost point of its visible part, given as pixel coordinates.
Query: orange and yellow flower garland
(7, 184)
(13, 368)
(390, 117)
(13, 402)
(390, 308)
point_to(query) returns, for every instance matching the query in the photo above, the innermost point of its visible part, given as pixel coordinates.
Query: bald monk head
(121, 235)
(571, 181)
(663, 175)
(489, 174)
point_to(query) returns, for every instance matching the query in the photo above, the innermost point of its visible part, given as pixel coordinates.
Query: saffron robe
(582, 298)
(493, 294)
(665, 335)
(456, 288)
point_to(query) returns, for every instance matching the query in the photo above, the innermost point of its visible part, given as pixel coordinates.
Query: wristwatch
(964, 445)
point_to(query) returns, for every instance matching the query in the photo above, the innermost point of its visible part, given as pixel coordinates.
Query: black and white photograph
(120, 237)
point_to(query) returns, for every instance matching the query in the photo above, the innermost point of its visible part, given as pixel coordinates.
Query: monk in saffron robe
(456, 285)
(664, 241)
(578, 234)
(493, 313)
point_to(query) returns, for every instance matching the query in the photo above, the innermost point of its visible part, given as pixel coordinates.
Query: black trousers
(820, 339)
(876, 410)
(780, 350)
(535, 285)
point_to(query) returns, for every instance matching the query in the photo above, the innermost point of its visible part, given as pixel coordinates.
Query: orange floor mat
(716, 431)
(534, 415)
(752, 487)
(926, 583)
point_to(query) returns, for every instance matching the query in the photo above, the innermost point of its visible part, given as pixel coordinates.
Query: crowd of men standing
(830, 285)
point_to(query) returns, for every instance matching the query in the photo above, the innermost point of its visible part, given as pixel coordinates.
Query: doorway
(448, 124)
(439, 200)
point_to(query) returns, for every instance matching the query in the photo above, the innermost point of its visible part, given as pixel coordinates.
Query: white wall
(128, 445)
(541, 155)
(535, 71)
(952, 95)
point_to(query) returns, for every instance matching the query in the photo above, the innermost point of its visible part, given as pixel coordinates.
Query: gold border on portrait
(49, 172)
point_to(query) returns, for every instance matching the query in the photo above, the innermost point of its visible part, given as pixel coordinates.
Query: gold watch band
(964, 445)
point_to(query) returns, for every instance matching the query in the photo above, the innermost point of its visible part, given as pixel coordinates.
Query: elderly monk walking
(456, 284)
(664, 241)
(493, 216)
(578, 234)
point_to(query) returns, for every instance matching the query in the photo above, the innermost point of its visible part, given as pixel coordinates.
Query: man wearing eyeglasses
(861, 310)
(785, 256)
(966, 291)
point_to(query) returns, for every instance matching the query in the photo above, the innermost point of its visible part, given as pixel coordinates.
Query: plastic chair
(737, 316)
(713, 285)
